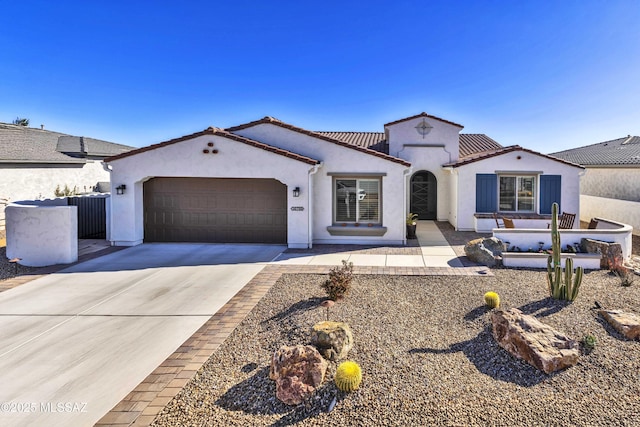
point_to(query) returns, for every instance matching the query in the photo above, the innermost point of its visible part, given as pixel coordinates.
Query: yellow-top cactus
(492, 299)
(348, 376)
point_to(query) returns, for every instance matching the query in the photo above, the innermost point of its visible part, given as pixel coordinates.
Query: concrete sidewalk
(75, 343)
(433, 251)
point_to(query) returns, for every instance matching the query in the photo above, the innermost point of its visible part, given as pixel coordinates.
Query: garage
(215, 210)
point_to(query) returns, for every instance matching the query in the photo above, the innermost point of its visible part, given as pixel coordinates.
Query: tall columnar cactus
(561, 286)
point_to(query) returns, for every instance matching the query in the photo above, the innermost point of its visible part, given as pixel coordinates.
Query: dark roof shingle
(617, 152)
(21, 144)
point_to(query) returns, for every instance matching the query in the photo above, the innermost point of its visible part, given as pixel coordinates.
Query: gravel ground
(428, 357)
(9, 270)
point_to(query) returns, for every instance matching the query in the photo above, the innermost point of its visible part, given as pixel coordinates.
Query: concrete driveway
(74, 343)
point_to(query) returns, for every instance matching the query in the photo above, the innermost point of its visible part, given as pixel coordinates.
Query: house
(610, 186)
(272, 182)
(35, 162)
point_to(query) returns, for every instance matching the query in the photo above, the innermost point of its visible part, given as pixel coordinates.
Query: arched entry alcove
(424, 195)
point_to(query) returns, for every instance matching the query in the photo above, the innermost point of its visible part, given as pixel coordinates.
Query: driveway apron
(74, 343)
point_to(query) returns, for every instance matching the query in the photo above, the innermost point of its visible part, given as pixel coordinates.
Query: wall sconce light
(120, 189)
(296, 192)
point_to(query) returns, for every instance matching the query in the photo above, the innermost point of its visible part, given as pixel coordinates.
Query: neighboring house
(34, 162)
(610, 187)
(271, 182)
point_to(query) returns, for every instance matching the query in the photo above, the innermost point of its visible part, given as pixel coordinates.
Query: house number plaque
(297, 208)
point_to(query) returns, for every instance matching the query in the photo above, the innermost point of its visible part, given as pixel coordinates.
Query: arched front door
(424, 195)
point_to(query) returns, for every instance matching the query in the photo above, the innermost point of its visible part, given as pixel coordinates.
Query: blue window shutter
(550, 191)
(486, 192)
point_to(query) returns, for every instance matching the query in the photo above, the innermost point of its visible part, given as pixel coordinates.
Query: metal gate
(92, 216)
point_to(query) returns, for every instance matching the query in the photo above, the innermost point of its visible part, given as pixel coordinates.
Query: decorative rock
(529, 339)
(628, 324)
(486, 251)
(332, 339)
(614, 256)
(611, 252)
(298, 371)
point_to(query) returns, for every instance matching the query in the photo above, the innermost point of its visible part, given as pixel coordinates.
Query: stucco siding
(623, 211)
(441, 133)
(612, 183)
(30, 182)
(338, 160)
(516, 162)
(186, 159)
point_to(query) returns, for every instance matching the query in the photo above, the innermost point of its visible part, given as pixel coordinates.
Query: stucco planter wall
(538, 260)
(42, 235)
(607, 231)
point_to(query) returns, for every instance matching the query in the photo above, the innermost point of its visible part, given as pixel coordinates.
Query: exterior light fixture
(120, 189)
(296, 192)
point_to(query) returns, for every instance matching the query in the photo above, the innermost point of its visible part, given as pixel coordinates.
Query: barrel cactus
(348, 376)
(492, 299)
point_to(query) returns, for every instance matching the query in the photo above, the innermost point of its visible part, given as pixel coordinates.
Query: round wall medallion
(424, 128)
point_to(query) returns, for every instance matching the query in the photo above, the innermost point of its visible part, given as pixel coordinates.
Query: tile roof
(21, 144)
(276, 122)
(223, 133)
(423, 114)
(617, 152)
(470, 143)
(504, 150)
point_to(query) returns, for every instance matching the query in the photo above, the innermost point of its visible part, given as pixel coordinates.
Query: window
(517, 193)
(357, 200)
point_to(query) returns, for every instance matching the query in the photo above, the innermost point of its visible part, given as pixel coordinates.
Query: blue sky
(547, 75)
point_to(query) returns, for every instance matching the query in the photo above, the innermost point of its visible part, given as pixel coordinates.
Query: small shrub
(66, 191)
(492, 299)
(348, 376)
(339, 282)
(589, 343)
(625, 276)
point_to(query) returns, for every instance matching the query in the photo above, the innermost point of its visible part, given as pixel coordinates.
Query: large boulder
(628, 324)
(486, 251)
(297, 370)
(332, 339)
(611, 252)
(529, 339)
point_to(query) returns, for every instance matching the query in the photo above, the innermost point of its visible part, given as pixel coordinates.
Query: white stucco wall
(30, 182)
(338, 160)
(622, 183)
(617, 210)
(517, 162)
(186, 159)
(427, 153)
(441, 133)
(42, 235)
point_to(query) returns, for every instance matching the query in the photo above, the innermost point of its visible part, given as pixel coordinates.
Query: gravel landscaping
(427, 355)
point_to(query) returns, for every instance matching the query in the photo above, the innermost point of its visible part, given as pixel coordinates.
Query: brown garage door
(215, 210)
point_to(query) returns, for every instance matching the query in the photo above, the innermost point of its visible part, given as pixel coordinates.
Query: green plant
(492, 299)
(562, 285)
(589, 342)
(348, 376)
(66, 191)
(339, 282)
(412, 218)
